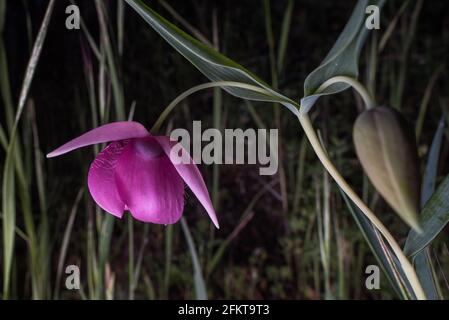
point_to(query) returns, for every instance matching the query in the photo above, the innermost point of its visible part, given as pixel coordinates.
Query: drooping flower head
(137, 172)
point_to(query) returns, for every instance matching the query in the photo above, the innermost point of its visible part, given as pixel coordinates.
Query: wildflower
(137, 172)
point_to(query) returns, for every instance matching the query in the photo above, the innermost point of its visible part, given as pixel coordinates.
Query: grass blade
(425, 101)
(434, 217)
(430, 173)
(247, 215)
(200, 287)
(65, 241)
(378, 247)
(168, 258)
(8, 187)
(283, 41)
(426, 273)
(422, 260)
(2, 14)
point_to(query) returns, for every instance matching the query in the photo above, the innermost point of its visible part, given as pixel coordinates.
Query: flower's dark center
(148, 148)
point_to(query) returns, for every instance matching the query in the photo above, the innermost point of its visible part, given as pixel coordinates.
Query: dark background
(276, 254)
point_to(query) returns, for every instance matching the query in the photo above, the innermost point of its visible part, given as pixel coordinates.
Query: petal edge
(113, 131)
(191, 175)
(101, 179)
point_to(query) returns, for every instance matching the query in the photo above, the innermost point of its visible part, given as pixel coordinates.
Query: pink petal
(101, 179)
(113, 131)
(148, 183)
(191, 176)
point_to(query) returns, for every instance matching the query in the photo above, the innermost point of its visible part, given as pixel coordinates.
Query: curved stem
(200, 87)
(409, 271)
(367, 97)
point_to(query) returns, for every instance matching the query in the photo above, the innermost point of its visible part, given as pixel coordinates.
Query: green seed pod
(387, 151)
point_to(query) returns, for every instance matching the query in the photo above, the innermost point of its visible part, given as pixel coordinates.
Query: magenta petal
(101, 179)
(191, 176)
(114, 131)
(148, 184)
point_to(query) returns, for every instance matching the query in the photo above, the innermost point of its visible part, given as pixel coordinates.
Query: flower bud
(387, 151)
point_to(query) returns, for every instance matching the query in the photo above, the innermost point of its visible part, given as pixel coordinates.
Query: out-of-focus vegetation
(288, 236)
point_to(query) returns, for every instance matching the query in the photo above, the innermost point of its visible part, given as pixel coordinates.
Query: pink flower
(136, 172)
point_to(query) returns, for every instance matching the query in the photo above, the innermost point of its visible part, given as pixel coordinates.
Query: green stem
(409, 271)
(367, 97)
(168, 258)
(131, 257)
(200, 87)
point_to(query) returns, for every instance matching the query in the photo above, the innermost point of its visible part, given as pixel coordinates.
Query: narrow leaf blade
(433, 218)
(424, 270)
(381, 251)
(200, 287)
(342, 59)
(211, 63)
(422, 260)
(430, 173)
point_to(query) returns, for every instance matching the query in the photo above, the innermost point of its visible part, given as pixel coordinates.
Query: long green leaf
(430, 173)
(198, 279)
(8, 186)
(381, 251)
(211, 63)
(9, 220)
(426, 273)
(2, 14)
(433, 218)
(104, 246)
(342, 59)
(422, 260)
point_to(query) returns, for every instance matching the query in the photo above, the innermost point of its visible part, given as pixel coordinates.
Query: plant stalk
(409, 271)
(367, 97)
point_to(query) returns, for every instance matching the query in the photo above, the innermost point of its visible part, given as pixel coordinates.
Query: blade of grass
(3, 138)
(104, 250)
(246, 217)
(8, 188)
(5, 87)
(89, 37)
(378, 247)
(426, 273)
(433, 218)
(138, 266)
(300, 174)
(425, 101)
(92, 265)
(283, 41)
(217, 118)
(120, 26)
(430, 173)
(200, 287)
(168, 258)
(65, 241)
(277, 111)
(322, 213)
(151, 293)
(392, 26)
(42, 272)
(117, 90)
(196, 33)
(2, 15)
(409, 37)
(422, 260)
